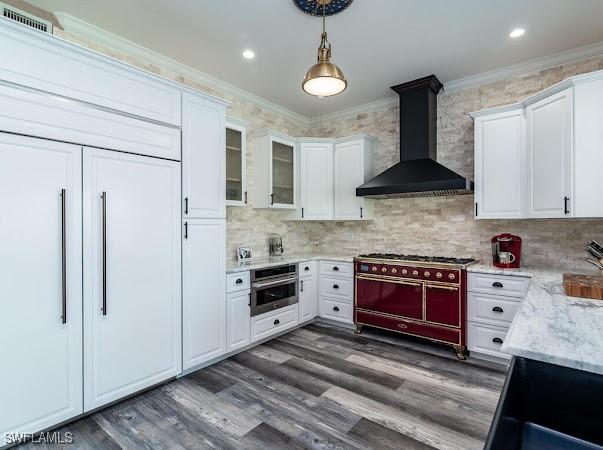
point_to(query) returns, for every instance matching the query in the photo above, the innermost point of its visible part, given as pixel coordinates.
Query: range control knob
(404, 271)
(384, 269)
(374, 268)
(394, 270)
(415, 272)
(439, 275)
(426, 274)
(451, 276)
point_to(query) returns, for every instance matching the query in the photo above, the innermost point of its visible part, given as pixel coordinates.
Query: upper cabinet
(236, 162)
(500, 152)
(203, 158)
(550, 123)
(541, 158)
(274, 169)
(316, 180)
(353, 166)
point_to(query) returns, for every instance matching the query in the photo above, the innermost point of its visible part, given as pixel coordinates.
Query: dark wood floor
(317, 387)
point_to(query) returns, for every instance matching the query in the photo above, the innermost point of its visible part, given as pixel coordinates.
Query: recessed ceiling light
(517, 32)
(248, 54)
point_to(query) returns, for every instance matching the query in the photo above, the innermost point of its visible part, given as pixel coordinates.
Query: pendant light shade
(324, 78)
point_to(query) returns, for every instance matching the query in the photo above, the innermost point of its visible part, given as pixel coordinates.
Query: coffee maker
(506, 251)
(275, 245)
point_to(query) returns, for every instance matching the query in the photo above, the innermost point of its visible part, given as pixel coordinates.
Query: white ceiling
(377, 43)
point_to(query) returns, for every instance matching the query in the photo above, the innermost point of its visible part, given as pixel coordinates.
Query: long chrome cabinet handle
(104, 203)
(63, 257)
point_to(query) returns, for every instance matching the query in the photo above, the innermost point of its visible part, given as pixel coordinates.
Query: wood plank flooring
(319, 387)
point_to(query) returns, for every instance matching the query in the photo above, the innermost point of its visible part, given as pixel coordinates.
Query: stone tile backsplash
(440, 225)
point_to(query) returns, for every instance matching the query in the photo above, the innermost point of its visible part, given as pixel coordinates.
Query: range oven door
(397, 297)
(271, 295)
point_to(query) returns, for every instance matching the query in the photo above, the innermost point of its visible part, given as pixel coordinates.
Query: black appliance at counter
(546, 406)
(273, 288)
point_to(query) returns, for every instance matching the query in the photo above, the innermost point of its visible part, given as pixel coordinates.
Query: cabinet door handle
(186, 205)
(185, 230)
(475, 209)
(336, 308)
(497, 309)
(302, 212)
(272, 199)
(104, 207)
(361, 212)
(497, 340)
(335, 286)
(565, 205)
(276, 322)
(239, 281)
(335, 269)
(497, 284)
(63, 257)
(245, 197)
(301, 285)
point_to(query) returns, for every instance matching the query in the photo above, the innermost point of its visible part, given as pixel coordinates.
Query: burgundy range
(417, 295)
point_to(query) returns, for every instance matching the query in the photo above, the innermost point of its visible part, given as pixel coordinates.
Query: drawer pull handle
(335, 269)
(403, 326)
(497, 340)
(497, 309)
(276, 322)
(497, 284)
(335, 286)
(306, 268)
(239, 281)
(336, 308)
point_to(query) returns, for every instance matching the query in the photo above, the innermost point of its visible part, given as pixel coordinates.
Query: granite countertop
(551, 326)
(234, 266)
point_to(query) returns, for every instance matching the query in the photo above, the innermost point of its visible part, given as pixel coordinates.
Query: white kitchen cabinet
(316, 180)
(588, 149)
(500, 165)
(275, 172)
(550, 154)
(308, 297)
(236, 162)
(203, 158)
(353, 166)
(204, 291)
(132, 274)
(238, 320)
(41, 304)
(335, 291)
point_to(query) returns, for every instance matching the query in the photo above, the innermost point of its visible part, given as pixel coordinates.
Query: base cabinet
(336, 291)
(41, 333)
(204, 295)
(238, 320)
(132, 307)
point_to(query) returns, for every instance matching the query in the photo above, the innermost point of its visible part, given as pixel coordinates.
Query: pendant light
(324, 78)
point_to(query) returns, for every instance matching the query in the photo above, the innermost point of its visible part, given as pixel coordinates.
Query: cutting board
(585, 286)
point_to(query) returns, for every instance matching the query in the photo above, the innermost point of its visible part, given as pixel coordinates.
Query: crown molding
(364, 108)
(534, 65)
(74, 25)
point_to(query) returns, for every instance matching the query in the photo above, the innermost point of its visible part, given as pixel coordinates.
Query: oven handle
(388, 280)
(273, 283)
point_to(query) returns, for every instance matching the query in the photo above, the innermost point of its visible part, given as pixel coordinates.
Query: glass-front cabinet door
(236, 159)
(283, 174)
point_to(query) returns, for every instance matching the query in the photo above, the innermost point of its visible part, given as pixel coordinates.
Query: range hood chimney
(418, 174)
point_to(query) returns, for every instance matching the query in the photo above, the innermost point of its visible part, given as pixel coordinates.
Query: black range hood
(418, 174)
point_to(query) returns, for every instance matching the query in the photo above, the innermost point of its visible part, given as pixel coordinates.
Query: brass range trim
(400, 262)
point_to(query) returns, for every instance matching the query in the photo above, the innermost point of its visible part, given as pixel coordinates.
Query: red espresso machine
(506, 251)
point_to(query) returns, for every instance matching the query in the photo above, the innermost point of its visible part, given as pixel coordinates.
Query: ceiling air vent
(25, 18)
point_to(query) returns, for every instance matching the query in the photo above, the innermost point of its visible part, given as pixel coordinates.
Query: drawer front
(448, 335)
(341, 287)
(306, 268)
(492, 309)
(498, 285)
(334, 309)
(238, 281)
(335, 268)
(273, 322)
(486, 339)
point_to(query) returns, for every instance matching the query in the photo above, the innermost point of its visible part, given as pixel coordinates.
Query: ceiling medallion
(324, 78)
